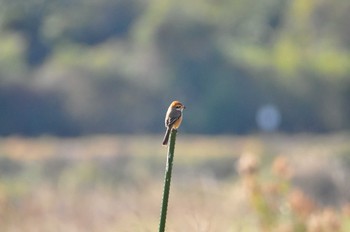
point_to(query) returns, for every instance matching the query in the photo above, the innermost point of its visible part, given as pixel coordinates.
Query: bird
(173, 119)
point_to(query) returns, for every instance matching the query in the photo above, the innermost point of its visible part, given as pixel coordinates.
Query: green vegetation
(96, 66)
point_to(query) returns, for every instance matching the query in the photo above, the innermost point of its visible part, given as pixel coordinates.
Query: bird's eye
(178, 106)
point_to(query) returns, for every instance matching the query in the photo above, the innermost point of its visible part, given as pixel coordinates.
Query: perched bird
(173, 119)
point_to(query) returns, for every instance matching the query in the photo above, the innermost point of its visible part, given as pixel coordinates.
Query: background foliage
(220, 183)
(113, 66)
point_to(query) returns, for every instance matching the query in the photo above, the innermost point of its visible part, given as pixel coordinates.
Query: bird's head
(177, 105)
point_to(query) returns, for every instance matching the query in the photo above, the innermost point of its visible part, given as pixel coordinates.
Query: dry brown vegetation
(114, 183)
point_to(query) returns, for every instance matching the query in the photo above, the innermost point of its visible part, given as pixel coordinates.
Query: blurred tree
(29, 112)
(108, 66)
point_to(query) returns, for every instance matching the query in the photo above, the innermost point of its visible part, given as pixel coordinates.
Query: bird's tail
(166, 136)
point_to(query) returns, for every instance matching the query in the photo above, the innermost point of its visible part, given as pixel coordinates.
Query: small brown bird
(173, 119)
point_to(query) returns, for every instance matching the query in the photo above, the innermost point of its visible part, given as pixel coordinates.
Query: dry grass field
(220, 183)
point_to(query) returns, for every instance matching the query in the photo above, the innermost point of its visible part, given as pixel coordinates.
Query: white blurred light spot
(268, 118)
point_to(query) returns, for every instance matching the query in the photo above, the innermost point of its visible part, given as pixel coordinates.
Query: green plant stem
(167, 180)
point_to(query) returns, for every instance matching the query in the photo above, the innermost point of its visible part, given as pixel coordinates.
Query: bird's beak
(184, 107)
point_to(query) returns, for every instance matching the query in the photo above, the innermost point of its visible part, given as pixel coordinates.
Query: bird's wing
(173, 117)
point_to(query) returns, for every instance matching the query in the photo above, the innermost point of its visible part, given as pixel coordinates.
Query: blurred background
(84, 86)
(77, 67)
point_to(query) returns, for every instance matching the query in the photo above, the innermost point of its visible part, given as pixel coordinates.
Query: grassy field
(220, 183)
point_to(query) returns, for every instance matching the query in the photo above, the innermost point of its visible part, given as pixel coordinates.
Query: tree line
(80, 67)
